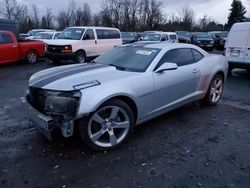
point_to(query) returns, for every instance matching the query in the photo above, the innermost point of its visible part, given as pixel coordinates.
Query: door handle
(195, 71)
(14, 46)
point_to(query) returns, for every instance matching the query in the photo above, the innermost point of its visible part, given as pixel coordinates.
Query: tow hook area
(67, 128)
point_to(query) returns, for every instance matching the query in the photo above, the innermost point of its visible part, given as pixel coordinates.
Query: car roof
(162, 45)
(93, 27)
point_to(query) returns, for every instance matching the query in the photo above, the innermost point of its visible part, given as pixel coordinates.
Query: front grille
(54, 49)
(37, 99)
(205, 42)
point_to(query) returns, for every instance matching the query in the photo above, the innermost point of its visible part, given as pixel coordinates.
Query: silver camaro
(125, 87)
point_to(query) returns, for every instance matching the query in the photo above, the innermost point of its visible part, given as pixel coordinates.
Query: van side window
(89, 35)
(5, 38)
(107, 34)
(197, 55)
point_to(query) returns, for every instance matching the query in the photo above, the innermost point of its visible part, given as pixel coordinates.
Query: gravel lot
(193, 146)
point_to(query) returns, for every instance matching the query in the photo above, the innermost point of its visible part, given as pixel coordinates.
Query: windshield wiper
(118, 67)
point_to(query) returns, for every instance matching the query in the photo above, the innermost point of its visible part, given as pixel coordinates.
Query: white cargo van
(238, 46)
(79, 43)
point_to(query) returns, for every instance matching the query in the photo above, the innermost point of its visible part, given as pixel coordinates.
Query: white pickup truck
(79, 43)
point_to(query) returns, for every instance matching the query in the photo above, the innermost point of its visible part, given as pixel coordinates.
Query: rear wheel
(32, 57)
(80, 57)
(215, 90)
(108, 127)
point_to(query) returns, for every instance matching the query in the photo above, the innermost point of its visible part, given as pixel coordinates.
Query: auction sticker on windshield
(143, 52)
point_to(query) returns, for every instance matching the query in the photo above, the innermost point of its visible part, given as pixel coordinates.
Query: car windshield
(129, 58)
(182, 33)
(43, 36)
(223, 34)
(34, 32)
(203, 35)
(128, 35)
(151, 37)
(71, 33)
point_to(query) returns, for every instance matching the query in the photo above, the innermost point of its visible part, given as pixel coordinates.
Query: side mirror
(166, 66)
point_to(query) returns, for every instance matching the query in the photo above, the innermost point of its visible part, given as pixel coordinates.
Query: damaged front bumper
(46, 124)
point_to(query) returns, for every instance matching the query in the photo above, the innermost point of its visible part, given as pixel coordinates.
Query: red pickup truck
(13, 50)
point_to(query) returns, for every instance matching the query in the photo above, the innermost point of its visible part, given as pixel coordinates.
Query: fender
(90, 103)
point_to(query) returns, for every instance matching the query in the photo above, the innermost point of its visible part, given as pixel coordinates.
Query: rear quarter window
(197, 55)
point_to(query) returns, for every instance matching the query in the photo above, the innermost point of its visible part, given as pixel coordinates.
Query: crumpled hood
(64, 78)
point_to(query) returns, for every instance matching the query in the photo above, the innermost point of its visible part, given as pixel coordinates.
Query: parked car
(124, 87)
(219, 39)
(13, 50)
(129, 37)
(33, 32)
(183, 36)
(46, 36)
(237, 49)
(203, 40)
(23, 35)
(79, 43)
(158, 36)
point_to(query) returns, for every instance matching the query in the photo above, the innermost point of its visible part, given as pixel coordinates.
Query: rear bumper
(239, 65)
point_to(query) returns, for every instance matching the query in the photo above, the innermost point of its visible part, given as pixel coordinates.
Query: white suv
(79, 43)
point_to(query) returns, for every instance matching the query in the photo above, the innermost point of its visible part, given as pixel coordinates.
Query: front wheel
(80, 57)
(108, 127)
(32, 57)
(215, 90)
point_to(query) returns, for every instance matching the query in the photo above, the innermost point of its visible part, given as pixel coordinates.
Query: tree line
(127, 15)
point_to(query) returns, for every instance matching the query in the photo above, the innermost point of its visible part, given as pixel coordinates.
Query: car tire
(214, 91)
(80, 57)
(32, 57)
(108, 127)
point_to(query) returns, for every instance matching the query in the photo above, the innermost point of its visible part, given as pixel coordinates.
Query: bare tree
(68, 17)
(10, 8)
(35, 16)
(47, 20)
(86, 15)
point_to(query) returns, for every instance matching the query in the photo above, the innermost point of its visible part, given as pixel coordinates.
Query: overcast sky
(217, 9)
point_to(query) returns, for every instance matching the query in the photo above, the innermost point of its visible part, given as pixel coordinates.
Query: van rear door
(247, 53)
(236, 46)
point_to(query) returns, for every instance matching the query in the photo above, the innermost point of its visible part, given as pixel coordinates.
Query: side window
(172, 37)
(107, 34)
(5, 38)
(179, 56)
(163, 37)
(89, 35)
(197, 55)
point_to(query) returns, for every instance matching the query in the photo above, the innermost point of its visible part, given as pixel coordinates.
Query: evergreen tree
(237, 13)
